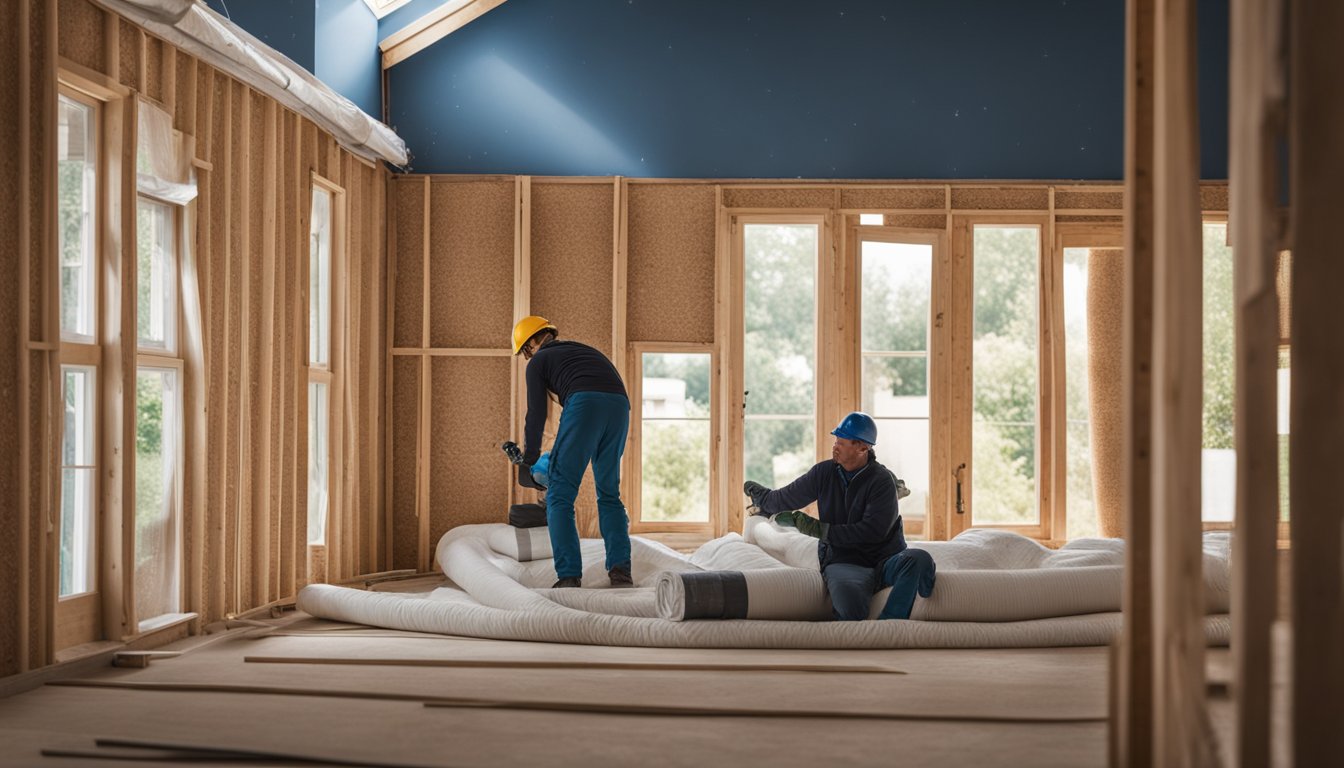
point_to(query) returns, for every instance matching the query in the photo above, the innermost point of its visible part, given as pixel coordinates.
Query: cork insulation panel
(128, 38)
(1000, 198)
(471, 234)
(1283, 285)
(184, 97)
(746, 197)
(917, 220)
(1213, 197)
(408, 293)
(469, 417)
(153, 78)
(1105, 378)
(670, 243)
(892, 199)
(405, 432)
(82, 38)
(572, 260)
(1104, 199)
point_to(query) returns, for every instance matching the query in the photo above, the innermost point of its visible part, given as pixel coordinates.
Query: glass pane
(318, 458)
(897, 284)
(156, 280)
(77, 482)
(895, 386)
(779, 349)
(157, 536)
(77, 191)
(1082, 509)
(871, 219)
(903, 446)
(675, 471)
(1004, 359)
(1285, 387)
(319, 279)
(676, 444)
(1219, 456)
(779, 450)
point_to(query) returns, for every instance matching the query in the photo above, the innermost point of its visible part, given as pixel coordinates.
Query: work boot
(569, 582)
(620, 576)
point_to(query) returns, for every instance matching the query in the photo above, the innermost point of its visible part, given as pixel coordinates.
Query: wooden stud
(1316, 162)
(1180, 717)
(25, 587)
(1257, 111)
(243, 566)
(423, 457)
(1054, 517)
(264, 585)
(390, 258)
(522, 303)
(431, 28)
(1132, 734)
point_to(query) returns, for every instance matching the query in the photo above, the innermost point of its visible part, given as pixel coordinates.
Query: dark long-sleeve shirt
(863, 525)
(562, 367)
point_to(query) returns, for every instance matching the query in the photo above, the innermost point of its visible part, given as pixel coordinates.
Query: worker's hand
(514, 453)
(805, 523)
(525, 478)
(756, 491)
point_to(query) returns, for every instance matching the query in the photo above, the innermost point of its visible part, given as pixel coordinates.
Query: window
(779, 349)
(1005, 380)
(158, 415)
(77, 227)
(872, 219)
(1082, 509)
(896, 295)
(1218, 455)
(675, 437)
(319, 362)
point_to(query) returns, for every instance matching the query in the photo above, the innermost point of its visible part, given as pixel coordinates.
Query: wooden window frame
(634, 505)
(330, 373)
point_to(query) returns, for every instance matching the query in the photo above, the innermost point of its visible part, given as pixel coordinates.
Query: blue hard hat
(541, 471)
(857, 426)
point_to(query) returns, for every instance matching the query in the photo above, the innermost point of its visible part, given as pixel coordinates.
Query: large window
(1218, 455)
(779, 350)
(158, 416)
(1082, 508)
(896, 293)
(321, 231)
(77, 227)
(675, 437)
(1005, 381)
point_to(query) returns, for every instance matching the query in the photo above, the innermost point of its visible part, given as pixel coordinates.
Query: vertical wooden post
(1255, 124)
(1132, 739)
(426, 383)
(522, 302)
(1316, 123)
(1180, 727)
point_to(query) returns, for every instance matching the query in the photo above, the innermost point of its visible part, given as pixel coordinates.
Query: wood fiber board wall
(1086, 219)
(572, 260)
(82, 38)
(917, 220)
(892, 199)
(998, 198)
(670, 293)
(1105, 379)
(469, 418)
(408, 294)
(1082, 198)
(471, 264)
(405, 436)
(767, 197)
(1213, 197)
(128, 38)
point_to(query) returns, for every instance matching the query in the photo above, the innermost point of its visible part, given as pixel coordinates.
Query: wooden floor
(298, 688)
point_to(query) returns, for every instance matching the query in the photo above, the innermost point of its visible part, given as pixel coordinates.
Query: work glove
(757, 493)
(804, 522)
(514, 453)
(901, 490)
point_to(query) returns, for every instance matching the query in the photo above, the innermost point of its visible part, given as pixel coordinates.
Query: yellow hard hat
(527, 328)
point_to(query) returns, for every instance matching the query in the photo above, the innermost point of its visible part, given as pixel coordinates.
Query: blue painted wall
(347, 57)
(285, 25)
(784, 88)
(404, 15)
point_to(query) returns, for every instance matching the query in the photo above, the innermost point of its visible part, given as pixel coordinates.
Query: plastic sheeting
(162, 166)
(196, 29)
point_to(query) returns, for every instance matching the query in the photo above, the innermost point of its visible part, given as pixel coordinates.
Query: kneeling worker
(862, 543)
(593, 427)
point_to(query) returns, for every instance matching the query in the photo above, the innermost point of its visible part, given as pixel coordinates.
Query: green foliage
(675, 471)
(148, 415)
(1219, 339)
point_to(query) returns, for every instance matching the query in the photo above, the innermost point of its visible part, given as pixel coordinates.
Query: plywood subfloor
(1009, 707)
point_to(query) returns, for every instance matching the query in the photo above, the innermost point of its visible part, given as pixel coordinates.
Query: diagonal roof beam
(431, 28)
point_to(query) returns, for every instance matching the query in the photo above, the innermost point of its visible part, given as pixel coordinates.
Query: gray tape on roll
(715, 595)
(524, 544)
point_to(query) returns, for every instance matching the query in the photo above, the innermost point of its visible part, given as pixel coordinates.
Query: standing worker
(862, 543)
(593, 427)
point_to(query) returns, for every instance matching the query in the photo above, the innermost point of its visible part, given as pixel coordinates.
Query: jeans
(851, 587)
(593, 426)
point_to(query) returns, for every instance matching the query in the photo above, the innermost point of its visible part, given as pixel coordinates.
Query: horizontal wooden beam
(431, 28)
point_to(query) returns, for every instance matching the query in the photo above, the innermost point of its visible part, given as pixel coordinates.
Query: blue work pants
(851, 587)
(593, 427)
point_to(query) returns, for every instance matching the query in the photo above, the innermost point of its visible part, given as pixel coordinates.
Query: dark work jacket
(562, 367)
(863, 525)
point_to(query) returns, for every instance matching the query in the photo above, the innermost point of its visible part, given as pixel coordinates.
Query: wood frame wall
(242, 333)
